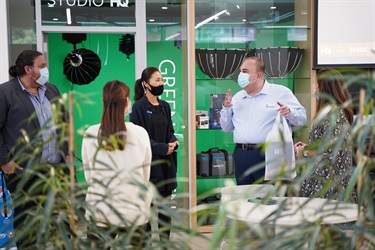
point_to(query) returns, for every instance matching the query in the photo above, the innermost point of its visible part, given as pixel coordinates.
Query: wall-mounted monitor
(344, 34)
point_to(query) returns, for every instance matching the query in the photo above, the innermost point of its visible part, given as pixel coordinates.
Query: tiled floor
(202, 242)
(195, 243)
(192, 242)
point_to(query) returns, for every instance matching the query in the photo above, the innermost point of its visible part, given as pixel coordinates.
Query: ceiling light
(216, 16)
(68, 16)
(238, 7)
(210, 18)
(244, 20)
(273, 7)
(172, 36)
(164, 8)
(285, 27)
(55, 19)
(152, 20)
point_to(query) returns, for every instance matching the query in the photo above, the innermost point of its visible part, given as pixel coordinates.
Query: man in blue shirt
(251, 113)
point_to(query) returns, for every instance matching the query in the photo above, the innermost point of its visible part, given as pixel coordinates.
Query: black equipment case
(215, 162)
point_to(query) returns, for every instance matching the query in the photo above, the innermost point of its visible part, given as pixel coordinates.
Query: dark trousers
(23, 209)
(24, 188)
(245, 165)
(164, 221)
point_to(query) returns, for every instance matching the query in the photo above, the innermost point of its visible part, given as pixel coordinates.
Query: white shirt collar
(264, 91)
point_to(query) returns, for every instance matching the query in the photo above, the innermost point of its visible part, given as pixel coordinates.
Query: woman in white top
(116, 156)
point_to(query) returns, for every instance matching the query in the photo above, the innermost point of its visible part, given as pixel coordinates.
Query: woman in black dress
(154, 115)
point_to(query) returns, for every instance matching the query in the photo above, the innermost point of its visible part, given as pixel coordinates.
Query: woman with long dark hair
(330, 140)
(117, 157)
(154, 115)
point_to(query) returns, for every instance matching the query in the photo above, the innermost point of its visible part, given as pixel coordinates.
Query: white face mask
(129, 108)
(44, 76)
(243, 80)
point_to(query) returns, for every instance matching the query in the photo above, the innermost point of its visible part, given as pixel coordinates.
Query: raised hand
(228, 99)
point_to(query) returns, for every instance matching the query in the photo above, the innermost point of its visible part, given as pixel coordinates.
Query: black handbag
(215, 162)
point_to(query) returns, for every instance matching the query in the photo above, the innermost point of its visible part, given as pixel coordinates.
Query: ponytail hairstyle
(112, 129)
(26, 58)
(332, 83)
(139, 90)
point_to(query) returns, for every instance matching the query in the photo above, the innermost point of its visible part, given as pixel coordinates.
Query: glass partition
(225, 33)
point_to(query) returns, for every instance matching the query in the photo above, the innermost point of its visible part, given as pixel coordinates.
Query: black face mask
(156, 91)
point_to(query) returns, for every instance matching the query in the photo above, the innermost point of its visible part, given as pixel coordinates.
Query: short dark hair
(260, 66)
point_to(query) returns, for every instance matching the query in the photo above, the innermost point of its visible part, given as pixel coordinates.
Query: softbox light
(219, 63)
(82, 66)
(127, 45)
(279, 61)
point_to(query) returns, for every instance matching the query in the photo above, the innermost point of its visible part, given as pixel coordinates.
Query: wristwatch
(305, 153)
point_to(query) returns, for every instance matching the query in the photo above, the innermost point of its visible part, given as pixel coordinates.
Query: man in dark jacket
(31, 120)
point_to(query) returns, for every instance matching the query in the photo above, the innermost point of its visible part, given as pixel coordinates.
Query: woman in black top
(154, 115)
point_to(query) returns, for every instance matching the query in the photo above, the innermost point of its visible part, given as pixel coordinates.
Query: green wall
(87, 98)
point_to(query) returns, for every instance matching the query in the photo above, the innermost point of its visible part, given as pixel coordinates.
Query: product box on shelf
(201, 119)
(216, 104)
